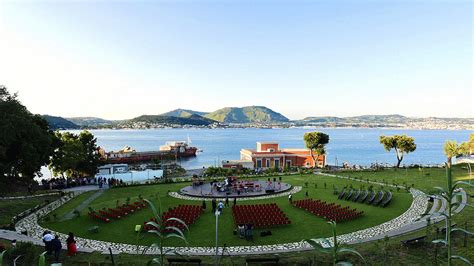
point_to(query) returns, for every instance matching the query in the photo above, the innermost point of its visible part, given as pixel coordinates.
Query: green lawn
(374, 252)
(71, 205)
(10, 208)
(424, 179)
(201, 233)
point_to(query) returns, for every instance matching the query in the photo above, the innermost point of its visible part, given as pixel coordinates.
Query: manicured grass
(71, 205)
(424, 179)
(374, 252)
(10, 208)
(304, 225)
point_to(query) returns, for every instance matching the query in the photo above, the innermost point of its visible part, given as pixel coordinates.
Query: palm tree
(334, 250)
(163, 231)
(451, 149)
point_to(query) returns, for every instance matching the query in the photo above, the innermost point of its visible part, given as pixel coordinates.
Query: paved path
(82, 188)
(83, 205)
(435, 206)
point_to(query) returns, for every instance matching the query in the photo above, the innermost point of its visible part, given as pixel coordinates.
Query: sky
(121, 59)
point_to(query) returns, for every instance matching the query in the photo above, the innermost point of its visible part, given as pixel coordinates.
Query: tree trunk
(312, 156)
(449, 203)
(399, 161)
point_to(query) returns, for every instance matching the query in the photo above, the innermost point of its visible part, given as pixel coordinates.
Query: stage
(241, 189)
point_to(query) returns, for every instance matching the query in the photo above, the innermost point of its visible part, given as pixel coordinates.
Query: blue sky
(301, 58)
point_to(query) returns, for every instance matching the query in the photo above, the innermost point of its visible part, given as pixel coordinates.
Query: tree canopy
(76, 155)
(452, 149)
(26, 142)
(402, 144)
(316, 142)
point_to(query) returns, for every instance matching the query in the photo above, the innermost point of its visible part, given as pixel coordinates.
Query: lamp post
(217, 213)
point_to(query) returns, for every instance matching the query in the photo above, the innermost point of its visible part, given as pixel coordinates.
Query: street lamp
(217, 213)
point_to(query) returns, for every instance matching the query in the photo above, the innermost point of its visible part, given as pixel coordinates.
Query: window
(271, 150)
(277, 163)
(288, 163)
(259, 163)
(267, 164)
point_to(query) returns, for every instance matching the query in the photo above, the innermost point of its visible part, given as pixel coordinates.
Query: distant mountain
(358, 119)
(56, 122)
(183, 113)
(90, 121)
(248, 114)
(194, 120)
(388, 121)
(257, 116)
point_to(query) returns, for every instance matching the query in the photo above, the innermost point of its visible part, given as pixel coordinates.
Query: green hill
(248, 114)
(90, 121)
(183, 113)
(195, 120)
(57, 122)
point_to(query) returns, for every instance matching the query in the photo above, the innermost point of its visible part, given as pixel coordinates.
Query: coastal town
(170, 121)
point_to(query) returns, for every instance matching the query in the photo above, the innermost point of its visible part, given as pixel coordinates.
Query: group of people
(219, 205)
(52, 245)
(245, 231)
(101, 181)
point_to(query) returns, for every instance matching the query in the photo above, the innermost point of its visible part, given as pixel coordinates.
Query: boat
(180, 148)
(171, 150)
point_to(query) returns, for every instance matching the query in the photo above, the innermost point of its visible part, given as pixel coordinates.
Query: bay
(352, 145)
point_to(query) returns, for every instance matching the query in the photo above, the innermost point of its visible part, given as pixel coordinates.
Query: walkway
(83, 205)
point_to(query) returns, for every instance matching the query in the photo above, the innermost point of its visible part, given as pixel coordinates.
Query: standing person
(235, 201)
(220, 206)
(290, 198)
(241, 228)
(47, 238)
(214, 205)
(56, 246)
(227, 201)
(248, 232)
(306, 194)
(71, 245)
(203, 205)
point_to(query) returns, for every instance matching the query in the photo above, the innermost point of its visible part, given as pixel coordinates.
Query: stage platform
(207, 191)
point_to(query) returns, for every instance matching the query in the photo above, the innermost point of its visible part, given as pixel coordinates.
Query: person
(214, 205)
(71, 245)
(248, 232)
(241, 228)
(227, 201)
(14, 243)
(306, 194)
(203, 205)
(235, 201)
(220, 206)
(47, 238)
(56, 246)
(290, 198)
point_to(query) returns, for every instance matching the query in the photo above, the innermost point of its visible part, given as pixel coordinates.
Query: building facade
(269, 155)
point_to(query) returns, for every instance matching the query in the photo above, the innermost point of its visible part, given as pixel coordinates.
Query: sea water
(352, 145)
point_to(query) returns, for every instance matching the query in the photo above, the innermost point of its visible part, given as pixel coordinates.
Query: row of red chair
(260, 215)
(329, 211)
(94, 215)
(118, 212)
(187, 213)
